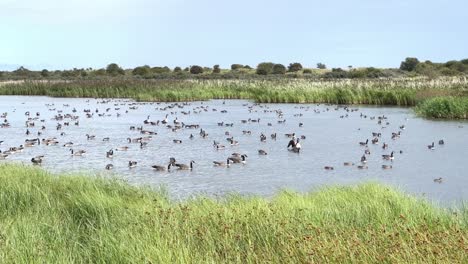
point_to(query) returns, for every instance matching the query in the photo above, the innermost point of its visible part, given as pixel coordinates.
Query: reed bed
(444, 107)
(402, 92)
(48, 218)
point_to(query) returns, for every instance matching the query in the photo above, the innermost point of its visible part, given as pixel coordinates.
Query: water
(330, 141)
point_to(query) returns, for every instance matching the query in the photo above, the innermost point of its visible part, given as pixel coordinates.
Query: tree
(279, 69)
(236, 66)
(216, 69)
(142, 70)
(247, 67)
(321, 66)
(177, 69)
(45, 73)
(409, 64)
(265, 68)
(160, 70)
(307, 71)
(294, 67)
(195, 69)
(186, 69)
(114, 69)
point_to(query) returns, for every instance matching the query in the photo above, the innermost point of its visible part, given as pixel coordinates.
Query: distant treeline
(410, 67)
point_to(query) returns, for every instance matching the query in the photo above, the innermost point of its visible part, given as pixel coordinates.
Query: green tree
(160, 70)
(142, 70)
(45, 73)
(265, 68)
(279, 69)
(216, 69)
(195, 69)
(321, 66)
(409, 64)
(294, 67)
(177, 69)
(236, 66)
(22, 71)
(114, 69)
(247, 67)
(307, 71)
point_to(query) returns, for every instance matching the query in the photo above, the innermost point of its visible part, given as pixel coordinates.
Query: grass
(61, 219)
(402, 92)
(444, 107)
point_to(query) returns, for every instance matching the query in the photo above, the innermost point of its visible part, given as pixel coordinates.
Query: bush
(195, 69)
(216, 69)
(294, 67)
(321, 66)
(141, 70)
(236, 66)
(177, 69)
(279, 69)
(307, 71)
(265, 68)
(409, 64)
(114, 69)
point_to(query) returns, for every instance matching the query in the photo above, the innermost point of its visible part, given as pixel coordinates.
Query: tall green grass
(61, 219)
(403, 92)
(444, 107)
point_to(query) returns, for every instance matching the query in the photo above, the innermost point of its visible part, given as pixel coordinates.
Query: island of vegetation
(439, 90)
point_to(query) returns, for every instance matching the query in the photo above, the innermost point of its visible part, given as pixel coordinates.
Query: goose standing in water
(364, 143)
(159, 168)
(262, 152)
(109, 167)
(110, 153)
(77, 153)
(363, 159)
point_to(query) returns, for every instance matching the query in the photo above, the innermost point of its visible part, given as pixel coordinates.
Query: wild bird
(181, 166)
(364, 143)
(132, 164)
(77, 153)
(222, 163)
(110, 153)
(262, 152)
(363, 159)
(328, 168)
(109, 167)
(387, 167)
(431, 147)
(441, 142)
(438, 180)
(348, 164)
(37, 160)
(158, 167)
(388, 157)
(238, 159)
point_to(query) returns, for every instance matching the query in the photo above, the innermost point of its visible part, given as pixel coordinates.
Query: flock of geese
(67, 116)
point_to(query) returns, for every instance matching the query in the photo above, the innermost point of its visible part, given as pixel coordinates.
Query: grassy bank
(402, 92)
(444, 107)
(46, 218)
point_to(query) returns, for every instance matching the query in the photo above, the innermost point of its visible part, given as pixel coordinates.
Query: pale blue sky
(61, 34)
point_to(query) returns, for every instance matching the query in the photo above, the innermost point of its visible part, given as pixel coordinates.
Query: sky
(58, 34)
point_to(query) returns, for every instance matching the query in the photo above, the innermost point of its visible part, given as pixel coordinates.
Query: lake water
(332, 138)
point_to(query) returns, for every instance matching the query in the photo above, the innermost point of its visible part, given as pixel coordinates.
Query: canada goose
(177, 141)
(273, 136)
(37, 160)
(222, 163)
(367, 151)
(68, 144)
(441, 142)
(388, 157)
(191, 136)
(124, 148)
(375, 140)
(90, 137)
(185, 166)
(77, 153)
(109, 167)
(110, 153)
(384, 146)
(348, 164)
(364, 143)
(328, 168)
(158, 168)
(386, 167)
(262, 152)
(438, 180)
(132, 164)
(431, 147)
(143, 144)
(362, 167)
(3, 156)
(234, 142)
(106, 139)
(290, 135)
(262, 137)
(363, 159)
(238, 159)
